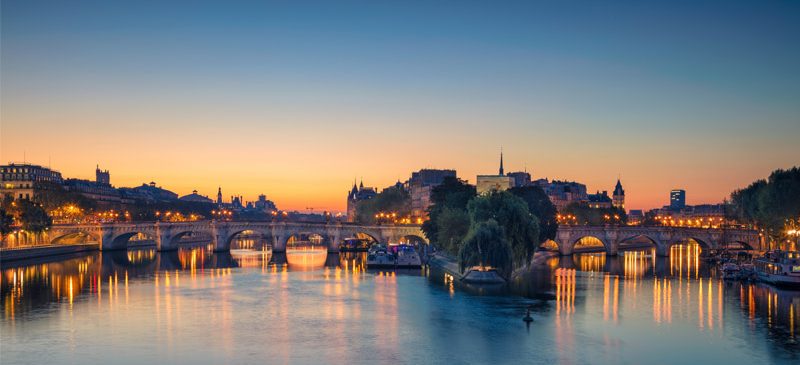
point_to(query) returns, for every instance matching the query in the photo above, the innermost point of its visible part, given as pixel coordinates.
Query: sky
(296, 99)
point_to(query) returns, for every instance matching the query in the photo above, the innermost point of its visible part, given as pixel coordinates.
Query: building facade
(19, 180)
(520, 178)
(196, 198)
(420, 186)
(677, 199)
(500, 182)
(356, 195)
(599, 200)
(619, 196)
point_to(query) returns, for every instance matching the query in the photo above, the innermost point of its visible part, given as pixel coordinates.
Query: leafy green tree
(770, 203)
(451, 194)
(539, 205)
(511, 213)
(486, 245)
(454, 225)
(392, 199)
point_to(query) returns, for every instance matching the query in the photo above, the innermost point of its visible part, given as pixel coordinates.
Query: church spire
(501, 162)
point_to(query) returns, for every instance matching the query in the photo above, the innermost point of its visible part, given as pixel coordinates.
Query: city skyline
(231, 192)
(287, 100)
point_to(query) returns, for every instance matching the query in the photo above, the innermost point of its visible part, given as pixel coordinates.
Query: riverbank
(33, 252)
(24, 253)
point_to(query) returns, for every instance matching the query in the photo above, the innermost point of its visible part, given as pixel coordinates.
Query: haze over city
(296, 101)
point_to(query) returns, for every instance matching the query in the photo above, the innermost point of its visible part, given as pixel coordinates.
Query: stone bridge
(115, 236)
(662, 238)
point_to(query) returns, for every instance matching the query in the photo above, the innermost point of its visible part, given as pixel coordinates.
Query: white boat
(407, 257)
(380, 257)
(780, 268)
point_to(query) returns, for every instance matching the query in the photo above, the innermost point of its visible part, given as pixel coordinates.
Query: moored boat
(354, 245)
(780, 268)
(406, 256)
(730, 271)
(380, 257)
(482, 275)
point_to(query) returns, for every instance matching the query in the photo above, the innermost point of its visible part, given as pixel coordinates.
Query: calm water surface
(194, 306)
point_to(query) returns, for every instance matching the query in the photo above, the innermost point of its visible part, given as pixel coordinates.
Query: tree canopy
(521, 228)
(452, 194)
(587, 215)
(539, 205)
(453, 226)
(770, 203)
(486, 245)
(392, 199)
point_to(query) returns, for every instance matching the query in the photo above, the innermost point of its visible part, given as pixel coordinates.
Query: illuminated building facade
(420, 186)
(677, 199)
(18, 180)
(499, 182)
(356, 195)
(618, 197)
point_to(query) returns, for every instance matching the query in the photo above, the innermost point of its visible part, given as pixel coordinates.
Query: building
(19, 180)
(499, 182)
(677, 199)
(99, 190)
(618, 197)
(563, 193)
(635, 217)
(93, 190)
(196, 198)
(149, 192)
(219, 196)
(265, 205)
(703, 215)
(356, 195)
(520, 178)
(599, 200)
(102, 177)
(420, 186)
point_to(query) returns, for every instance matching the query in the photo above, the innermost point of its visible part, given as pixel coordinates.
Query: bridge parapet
(661, 237)
(167, 234)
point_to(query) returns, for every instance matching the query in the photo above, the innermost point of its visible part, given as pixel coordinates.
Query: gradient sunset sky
(295, 99)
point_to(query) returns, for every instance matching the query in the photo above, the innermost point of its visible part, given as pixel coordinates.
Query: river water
(195, 306)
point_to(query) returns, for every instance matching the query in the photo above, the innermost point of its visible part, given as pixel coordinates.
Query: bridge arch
(74, 238)
(224, 239)
(120, 241)
(315, 238)
(413, 239)
(736, 245)
(639, 241)
(587, 242)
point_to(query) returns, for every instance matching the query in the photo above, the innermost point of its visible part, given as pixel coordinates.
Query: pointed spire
(501, 162)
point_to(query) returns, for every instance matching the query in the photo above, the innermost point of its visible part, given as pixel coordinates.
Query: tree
(33, 216)
(393, 199)
(53, 196)
(587, 215)
(539, 205)
(6, 220)
(486, 245)
(453, 225)
(453, 194)
(770, 203)
(511, 213)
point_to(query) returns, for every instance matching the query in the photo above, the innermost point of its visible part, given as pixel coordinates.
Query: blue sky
(699, 95)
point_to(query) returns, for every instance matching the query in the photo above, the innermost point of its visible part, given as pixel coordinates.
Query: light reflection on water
(587, 308)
